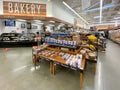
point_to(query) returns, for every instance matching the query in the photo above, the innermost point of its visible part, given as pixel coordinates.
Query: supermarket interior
(59, 44)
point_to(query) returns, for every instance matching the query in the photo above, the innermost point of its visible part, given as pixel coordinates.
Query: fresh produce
(92, 47)
(92, 38)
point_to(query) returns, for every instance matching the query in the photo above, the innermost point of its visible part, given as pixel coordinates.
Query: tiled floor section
(17, 72)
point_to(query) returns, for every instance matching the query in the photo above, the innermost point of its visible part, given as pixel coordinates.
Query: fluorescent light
(116, 23)
(103, 8)
(101, 3)
(96, 17)
(37, 20)
(75, 12)
(52, 21)
(22, 20)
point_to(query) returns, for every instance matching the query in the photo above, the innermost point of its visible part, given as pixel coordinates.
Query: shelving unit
(114, 35)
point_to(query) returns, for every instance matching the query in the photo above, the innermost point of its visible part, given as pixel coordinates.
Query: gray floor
(17, 72)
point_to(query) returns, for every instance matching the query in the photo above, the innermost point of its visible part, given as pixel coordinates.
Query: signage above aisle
(24, 9)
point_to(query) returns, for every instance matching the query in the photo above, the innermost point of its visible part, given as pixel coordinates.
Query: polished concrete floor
(18, 73)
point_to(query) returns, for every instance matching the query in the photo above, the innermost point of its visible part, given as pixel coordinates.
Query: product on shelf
(92, 55)
(49, 53)
(76, 39)
(92, 47)
(74, 60)
(66, 56)
(92, 38)
(61, 54)
(60, 42)
(60, 34)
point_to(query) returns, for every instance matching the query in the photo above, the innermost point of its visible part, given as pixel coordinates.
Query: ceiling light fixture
(103, 8)
(52, 21)
(75, 12)
(116, 23)
(21, 20)
(37, 20)
(96, 17)
(101, 3)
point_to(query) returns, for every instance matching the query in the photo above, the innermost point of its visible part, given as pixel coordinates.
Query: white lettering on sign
(10, 7)
(38, 7)
(32, 8)
(16, 8)
(24, 8)
(27, 8)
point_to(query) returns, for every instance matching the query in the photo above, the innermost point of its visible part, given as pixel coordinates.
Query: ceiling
(90, 10)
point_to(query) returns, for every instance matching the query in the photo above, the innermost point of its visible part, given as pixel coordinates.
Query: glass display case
(17, 39)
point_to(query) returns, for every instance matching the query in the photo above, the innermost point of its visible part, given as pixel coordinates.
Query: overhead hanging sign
(23, 8)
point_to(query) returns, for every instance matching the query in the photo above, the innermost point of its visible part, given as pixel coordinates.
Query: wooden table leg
(81, 79)
(51, 67)
(34, 60)
(94, 68)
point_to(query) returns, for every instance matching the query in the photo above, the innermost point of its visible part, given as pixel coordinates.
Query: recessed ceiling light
(96, 17)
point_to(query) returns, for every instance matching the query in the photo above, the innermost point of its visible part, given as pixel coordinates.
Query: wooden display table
(56, 59)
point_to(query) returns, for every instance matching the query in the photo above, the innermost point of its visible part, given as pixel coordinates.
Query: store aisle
(110, 66)
(17, 72)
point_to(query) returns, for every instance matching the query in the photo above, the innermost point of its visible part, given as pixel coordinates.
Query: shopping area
(59, 45)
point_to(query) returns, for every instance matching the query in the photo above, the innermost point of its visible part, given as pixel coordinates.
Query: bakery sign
(23, 8)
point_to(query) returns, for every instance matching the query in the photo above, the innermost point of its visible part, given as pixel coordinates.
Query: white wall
(62, 12)
(1, 26)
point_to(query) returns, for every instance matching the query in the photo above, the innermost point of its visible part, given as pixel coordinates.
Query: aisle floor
(18, 73)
